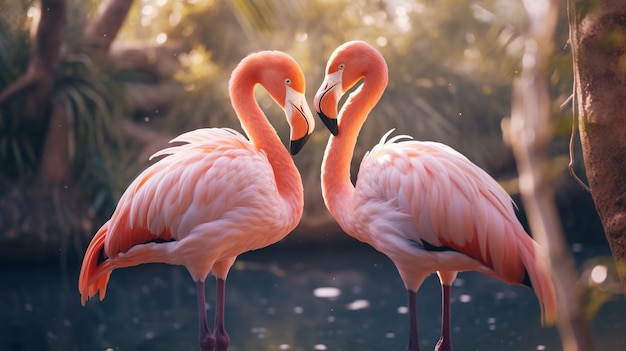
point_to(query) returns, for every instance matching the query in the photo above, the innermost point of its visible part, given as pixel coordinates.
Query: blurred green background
(451, 65)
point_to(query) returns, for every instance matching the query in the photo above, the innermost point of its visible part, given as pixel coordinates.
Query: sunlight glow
(599, 274)
(301, 36)
(148, 10)
(32, 12)
(381, 41)
(161, 38)
(402, 18)
(175, 18)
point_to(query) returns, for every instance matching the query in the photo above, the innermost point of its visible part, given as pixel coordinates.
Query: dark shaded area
(271, 306)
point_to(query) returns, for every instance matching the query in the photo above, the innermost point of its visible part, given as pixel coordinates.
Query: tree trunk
(102, 31)
(33, 90)
(598, 39)
(530, 135)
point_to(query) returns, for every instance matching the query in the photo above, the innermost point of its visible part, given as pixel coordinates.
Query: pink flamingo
(424, 205)
(214, 197)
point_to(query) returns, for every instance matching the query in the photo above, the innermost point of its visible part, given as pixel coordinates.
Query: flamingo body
(423, 204)
(213, 197)
(430, 209)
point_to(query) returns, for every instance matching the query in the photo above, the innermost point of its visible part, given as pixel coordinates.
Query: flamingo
(213, 197)
(423, 204)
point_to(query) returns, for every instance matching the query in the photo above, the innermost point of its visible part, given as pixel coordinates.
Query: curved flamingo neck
(264, 137)
(337, 187)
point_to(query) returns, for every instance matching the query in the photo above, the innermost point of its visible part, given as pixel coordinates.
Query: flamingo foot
(207, 341)
(221, 341)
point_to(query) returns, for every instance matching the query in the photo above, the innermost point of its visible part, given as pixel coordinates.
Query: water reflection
(279, 298)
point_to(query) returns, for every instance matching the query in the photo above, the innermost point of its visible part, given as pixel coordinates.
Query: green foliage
(203, 100)
(19, 146)
(94, 104)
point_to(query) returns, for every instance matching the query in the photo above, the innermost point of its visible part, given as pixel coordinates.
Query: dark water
(272, 305)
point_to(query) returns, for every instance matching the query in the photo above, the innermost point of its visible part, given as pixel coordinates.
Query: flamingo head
(347, 65)
(283, 79)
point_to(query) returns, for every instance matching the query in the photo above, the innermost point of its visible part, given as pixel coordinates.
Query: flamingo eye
(287, 81)
(342, 66)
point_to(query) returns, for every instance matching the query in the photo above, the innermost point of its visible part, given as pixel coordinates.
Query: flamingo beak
(296, 145)
(300, 120)
(326, 101)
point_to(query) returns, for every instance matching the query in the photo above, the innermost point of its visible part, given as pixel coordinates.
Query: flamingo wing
(155, 204)
(213, 185)
(441, 201)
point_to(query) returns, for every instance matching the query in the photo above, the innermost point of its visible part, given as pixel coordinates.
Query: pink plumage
(214, 196)
(423, 204)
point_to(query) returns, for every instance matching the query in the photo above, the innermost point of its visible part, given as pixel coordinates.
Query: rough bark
(598, 38)
(33, 90)
(530, 135)
(36, 85)
(103, 30)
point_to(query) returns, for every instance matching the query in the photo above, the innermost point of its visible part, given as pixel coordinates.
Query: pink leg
(221, 336)
(414, 344)
(207, 340)
(445, 341)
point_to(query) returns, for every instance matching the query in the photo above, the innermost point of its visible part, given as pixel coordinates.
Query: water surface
(286, 297)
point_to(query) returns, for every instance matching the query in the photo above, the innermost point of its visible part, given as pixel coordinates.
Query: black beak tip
(296, 145)
(330, 123)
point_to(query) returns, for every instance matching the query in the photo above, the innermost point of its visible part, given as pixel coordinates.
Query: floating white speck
(598, 274)
(541, 347)
(358, 305)
(577, 247)
(492, 327)
(298, 310)
(390, 335)
(491, 320)
(283, 347)
(319, 347)
(465, 298)
(326, 292)
(403, 310)
(458, 282)
(330, 319)
(258, 330)
(149, 335)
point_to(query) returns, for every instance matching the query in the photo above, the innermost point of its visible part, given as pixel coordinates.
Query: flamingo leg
(221, 337)
(207, 339)
(445, 340)
(414, 344)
